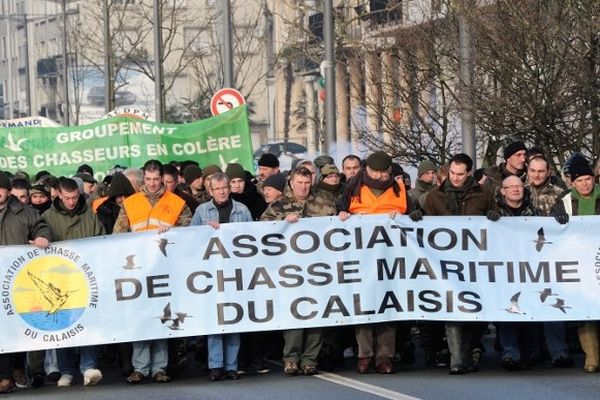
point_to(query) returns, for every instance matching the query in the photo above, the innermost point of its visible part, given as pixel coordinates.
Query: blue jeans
(67, 359)
(223, 351)
(556, 339)
(150, 357)
(518, 340)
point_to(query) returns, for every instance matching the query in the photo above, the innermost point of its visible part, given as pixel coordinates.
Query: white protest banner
(317, 272)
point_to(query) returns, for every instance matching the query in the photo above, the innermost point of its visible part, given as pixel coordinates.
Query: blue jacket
(208, 212)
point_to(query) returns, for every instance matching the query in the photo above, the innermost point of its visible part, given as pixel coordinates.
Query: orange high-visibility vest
(142, 216)
(97, 203)
(387, 202)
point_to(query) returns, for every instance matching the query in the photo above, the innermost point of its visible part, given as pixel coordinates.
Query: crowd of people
(43, 209)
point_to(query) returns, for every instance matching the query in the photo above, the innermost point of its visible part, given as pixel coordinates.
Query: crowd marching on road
(43, 209)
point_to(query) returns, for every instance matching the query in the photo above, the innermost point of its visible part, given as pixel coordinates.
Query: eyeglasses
(513, 187)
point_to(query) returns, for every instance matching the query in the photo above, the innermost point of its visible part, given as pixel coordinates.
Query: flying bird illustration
(514, 305)
(175, 325)
(182, 316)
(12, 145)
(167, 316)
(544, 294)
(162, 245)
(560, 304)
(51, 293)
(541, 240)
(130, 263)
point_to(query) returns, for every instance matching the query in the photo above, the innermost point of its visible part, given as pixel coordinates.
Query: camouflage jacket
(314, 206)
(543, 197)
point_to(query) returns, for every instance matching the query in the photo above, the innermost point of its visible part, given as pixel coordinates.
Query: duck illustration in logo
(50, 293)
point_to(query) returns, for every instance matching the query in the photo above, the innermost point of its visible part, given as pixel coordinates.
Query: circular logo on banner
(224, 100)
(50, 293)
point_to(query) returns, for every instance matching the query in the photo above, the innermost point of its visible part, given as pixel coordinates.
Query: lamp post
(227, 50)
(158, 72)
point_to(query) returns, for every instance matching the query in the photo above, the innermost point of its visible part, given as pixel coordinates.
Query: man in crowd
(459, 194)
(194, 178)
(515, 155)
(375, 191)
(302, 346)
(425, 182)
(350, 166)
(274, 187)
(39, 198)
(268, 164)
(244, 190)
(20, 189)
(71, 218)
(153, 208)
(519, 341)
(19, 225)
(222, 349)
(582, 199)
(544, 194)
(171, 183)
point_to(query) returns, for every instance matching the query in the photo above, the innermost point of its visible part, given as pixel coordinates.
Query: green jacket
(20, 224)
(81, 223)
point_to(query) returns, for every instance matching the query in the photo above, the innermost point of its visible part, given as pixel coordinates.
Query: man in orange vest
(375, 191)
(151, 208)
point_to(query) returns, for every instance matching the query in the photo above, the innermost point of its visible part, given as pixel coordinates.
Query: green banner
(127, 142)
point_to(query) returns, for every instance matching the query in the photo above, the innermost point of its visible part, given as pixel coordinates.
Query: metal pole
(108, 73)
(27, 71)
(158, 93)
(465, 61)
(330, 115)
(227, 48)
(65, 67)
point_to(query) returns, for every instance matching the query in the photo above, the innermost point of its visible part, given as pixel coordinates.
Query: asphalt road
(411, 382)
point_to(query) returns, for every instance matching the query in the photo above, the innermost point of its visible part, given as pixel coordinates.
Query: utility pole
(227, 47)
(465, 70)
(65, 67)
(158, 73)
(108, 73)
(330, 114)
(27, 71)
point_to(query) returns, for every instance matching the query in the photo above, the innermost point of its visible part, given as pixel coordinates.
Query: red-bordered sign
(224, 100)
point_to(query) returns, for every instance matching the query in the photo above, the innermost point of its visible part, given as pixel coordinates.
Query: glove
(562, 218)
(416, 215)
(493, 215)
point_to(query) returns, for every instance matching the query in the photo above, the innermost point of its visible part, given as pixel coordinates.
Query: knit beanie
(425, 166)
(379, 161)
(5, 181)
(191, 173)
(209, 170)
(120, 186)
(276, 181)
(268, 160)
(512, 148)
(235, 170)
(41, 189)
(327, 169)
(579, 167)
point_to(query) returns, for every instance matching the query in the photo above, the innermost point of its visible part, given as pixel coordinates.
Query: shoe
(562, 362)
(233, 375)
(349, 352)
(590, 369)
(215, 374)
(476, 355)
(54, 376)
(7, 386)
(291, 368)
(135, 377)
(309, 370)
(364, 365)
(385, 367)
(37, 380)
(91, 377)
(161, 377)
(19, 378)
(261, 367)
(510, 364)
(65, 380)
(457, 370)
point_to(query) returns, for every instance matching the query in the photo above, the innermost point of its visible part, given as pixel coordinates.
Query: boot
(588, 338)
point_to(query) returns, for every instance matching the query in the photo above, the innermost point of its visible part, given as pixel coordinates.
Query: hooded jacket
(21, 223)
(78, 223)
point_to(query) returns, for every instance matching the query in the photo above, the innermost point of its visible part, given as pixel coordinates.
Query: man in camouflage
(302, 346)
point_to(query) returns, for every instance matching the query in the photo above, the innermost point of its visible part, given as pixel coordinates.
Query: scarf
(455, 196)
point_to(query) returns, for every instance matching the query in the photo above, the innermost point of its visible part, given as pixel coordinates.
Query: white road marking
(364, 387)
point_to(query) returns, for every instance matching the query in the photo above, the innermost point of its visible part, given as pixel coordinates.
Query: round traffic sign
(224, 100)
